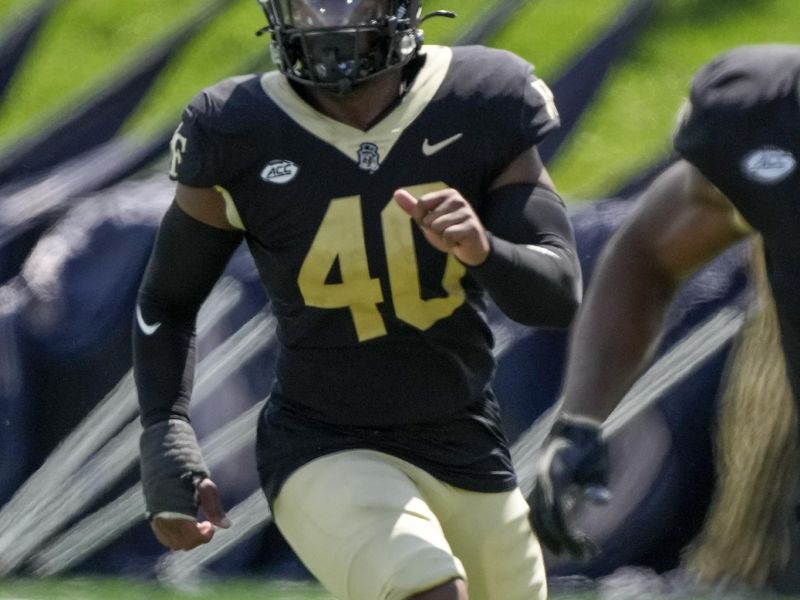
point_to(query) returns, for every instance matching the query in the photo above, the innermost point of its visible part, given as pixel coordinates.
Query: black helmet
(337, 44)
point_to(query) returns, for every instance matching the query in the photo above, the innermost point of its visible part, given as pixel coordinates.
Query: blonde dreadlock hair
(744, 539)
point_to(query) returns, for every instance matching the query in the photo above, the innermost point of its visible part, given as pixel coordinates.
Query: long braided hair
(745, 539)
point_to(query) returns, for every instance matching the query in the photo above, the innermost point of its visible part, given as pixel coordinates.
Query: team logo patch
(279, 171)
(368, 157)
(768, 165)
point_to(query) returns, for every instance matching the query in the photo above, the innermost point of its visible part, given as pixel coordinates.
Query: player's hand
(183, 532)
(573, 465)
(449, 224)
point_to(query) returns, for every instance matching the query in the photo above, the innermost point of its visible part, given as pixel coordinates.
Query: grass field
(119, 589)
(627, 129)
(235, 589)
(631, 121)
(251, 589)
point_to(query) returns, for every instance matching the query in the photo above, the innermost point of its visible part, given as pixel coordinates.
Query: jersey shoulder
(491, 63)
(505, 90)
(738, 92)
(747, 78)
(491, 72)
(228, 106)
(219, 130)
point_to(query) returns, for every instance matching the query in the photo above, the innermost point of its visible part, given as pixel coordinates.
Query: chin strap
(438, 13)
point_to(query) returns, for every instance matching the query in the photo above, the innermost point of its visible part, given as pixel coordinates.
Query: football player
(383, 188)
(737, 175)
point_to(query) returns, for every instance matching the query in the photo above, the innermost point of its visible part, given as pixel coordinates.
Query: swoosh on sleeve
(146, 329)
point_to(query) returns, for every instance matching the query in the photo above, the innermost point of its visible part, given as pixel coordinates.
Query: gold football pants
(370, 526)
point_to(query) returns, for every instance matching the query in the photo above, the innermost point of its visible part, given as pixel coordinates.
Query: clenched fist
(449, 223)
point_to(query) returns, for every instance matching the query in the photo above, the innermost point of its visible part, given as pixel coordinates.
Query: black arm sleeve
(187, 259)
(532, 273)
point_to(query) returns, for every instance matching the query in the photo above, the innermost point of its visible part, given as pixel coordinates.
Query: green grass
(11, 10)
(537, 33)
(444, 31)
(83, 44)
(88, 42)
(229, 46)
(126, 589)
(230, 589)
(632, 120)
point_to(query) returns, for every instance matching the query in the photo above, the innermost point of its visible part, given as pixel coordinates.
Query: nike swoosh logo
(431, 149)
(542, 250)
(146, 329)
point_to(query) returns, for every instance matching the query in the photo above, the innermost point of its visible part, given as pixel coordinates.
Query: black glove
(573, 463)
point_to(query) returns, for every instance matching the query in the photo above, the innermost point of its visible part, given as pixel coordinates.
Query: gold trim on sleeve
(231, 213)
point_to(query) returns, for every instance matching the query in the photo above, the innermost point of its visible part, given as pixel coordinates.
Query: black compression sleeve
(187, 259)
(532, 272)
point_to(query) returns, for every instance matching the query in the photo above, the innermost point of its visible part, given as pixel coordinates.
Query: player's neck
(364, 105)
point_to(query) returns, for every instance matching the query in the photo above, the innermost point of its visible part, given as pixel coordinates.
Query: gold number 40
(338, 238)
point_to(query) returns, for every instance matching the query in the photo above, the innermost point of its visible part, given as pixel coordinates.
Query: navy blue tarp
(72, 340)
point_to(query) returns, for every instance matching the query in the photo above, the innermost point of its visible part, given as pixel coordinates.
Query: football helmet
(338, 44)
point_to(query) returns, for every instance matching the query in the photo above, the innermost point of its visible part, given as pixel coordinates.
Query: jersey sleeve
(724, 110)
(539, 114)
(698, 121)
(521, 111)
(195, 161)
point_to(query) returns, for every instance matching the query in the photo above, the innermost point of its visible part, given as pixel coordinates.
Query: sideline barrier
(87, 512)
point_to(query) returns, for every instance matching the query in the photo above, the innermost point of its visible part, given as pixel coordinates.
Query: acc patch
(768, 165)
(279, 171)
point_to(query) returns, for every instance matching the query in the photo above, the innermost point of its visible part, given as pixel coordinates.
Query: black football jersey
(379, 331)
(742, 130)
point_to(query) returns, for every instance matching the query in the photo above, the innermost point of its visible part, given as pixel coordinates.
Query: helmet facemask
(339, 44)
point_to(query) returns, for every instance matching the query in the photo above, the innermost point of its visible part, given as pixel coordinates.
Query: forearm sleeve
(532, 273)
(187, 259)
